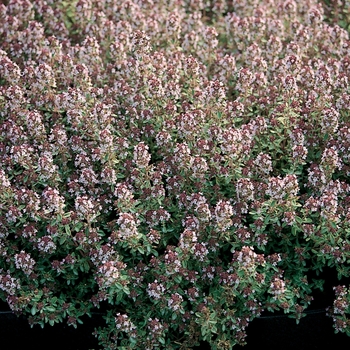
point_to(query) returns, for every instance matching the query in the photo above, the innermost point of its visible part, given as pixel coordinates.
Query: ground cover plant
(182, 166)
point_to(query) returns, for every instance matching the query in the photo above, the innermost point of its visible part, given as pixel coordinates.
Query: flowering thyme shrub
(183, 165)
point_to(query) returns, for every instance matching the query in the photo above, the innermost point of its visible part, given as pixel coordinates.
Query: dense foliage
(182, 165)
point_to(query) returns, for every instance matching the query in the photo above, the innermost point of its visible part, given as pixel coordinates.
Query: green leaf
(50, 309)
(141, 250)
(154, 252)
(33, 310)
(86, 266)
(204, 331)
(78, 226)
(68, 231)
(118, 285)
(63, 239)
(126, 290)
(177, 279)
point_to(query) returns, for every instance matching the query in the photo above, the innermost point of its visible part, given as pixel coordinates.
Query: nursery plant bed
(181, 167)
(314, 331)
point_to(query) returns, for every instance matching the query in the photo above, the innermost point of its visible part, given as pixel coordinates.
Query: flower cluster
(24, 262)
(9, 284)
(340, 309)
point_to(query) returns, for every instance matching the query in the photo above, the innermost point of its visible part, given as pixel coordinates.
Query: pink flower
(45, 244)
(24, 262)
(141, 155)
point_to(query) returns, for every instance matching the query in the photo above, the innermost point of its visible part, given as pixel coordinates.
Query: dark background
(270, 331)
(314, 331)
